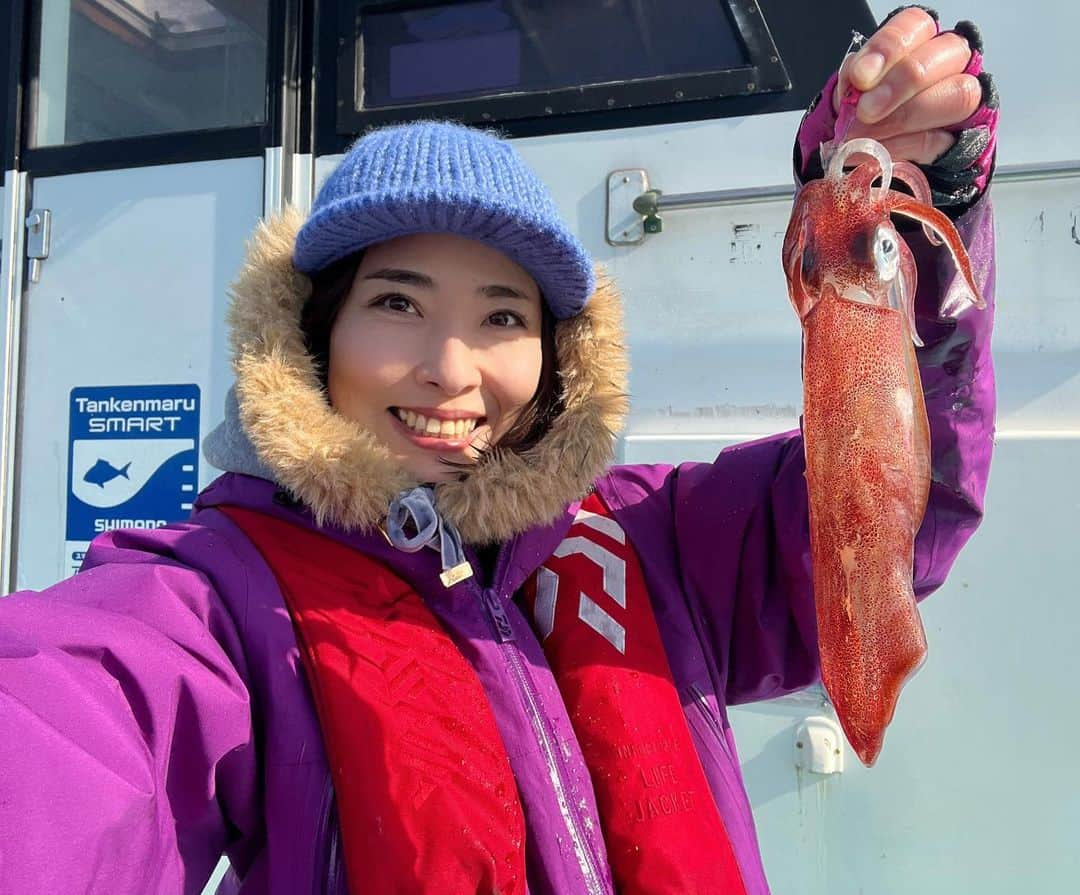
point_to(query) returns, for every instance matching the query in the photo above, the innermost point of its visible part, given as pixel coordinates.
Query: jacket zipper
(504, 633)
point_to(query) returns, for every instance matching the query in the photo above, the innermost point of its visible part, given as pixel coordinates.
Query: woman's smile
(438, 430)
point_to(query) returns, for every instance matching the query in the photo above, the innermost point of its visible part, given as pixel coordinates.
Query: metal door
(143, 152)
(133, 294)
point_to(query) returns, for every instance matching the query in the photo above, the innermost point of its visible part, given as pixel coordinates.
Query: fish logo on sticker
(103, 472)
(105, 485)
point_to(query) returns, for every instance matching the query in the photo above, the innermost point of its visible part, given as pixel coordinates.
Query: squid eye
(886, 253)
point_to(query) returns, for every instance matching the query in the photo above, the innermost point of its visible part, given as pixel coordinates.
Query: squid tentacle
(910, 175)
(942, 226)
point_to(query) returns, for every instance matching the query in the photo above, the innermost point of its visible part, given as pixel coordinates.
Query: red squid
(851, 278)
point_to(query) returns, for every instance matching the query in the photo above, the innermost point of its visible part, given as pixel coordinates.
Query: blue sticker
(133, 460)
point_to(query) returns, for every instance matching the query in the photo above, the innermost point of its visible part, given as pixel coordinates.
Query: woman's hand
(915, 87)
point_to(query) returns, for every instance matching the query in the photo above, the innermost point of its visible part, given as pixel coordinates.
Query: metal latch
(625, 226)
(635, 211)
(39, 234)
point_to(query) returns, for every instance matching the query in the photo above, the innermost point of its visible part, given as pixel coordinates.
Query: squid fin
(795, 242)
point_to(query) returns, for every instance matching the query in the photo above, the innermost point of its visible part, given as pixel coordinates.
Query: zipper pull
(498, 616)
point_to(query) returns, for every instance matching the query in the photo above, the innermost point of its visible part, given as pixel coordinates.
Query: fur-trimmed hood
(282, 427)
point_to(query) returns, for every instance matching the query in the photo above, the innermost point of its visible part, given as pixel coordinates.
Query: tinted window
(457, 51)
(107, 69)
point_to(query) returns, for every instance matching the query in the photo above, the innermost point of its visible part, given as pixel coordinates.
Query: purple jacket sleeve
(734, 535)
(126, 756)
(741, 523)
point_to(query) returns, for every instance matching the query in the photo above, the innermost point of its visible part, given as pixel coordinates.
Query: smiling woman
(438, 344)
(421, 351)
(424, 634)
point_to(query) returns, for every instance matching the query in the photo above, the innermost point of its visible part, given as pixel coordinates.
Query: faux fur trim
(346, 477)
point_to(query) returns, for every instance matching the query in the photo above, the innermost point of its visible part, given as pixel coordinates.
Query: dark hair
(331, 286)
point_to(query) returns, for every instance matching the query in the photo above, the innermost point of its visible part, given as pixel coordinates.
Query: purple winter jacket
(154, 712)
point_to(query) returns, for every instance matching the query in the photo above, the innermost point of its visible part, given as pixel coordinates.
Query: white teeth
(455, 429)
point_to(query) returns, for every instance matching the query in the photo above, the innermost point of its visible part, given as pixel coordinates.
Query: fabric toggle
(415, 510)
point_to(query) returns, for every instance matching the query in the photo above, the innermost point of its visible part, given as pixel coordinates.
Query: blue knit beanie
(436, 177)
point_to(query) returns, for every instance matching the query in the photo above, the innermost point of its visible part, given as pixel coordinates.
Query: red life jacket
(426, 798)
(661, 826)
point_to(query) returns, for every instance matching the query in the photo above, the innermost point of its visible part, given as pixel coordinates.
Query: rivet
(798, 744)
(751, 86)
(678, 94)
(626, 179)
(548, 109)
(486, 116)
(611, 101)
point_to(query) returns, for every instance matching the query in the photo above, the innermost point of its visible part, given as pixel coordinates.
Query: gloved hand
(925, 97)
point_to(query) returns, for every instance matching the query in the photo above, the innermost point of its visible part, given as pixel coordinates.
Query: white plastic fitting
(819, 746)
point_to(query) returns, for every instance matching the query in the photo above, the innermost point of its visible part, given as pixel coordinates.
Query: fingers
(928, 64)
(923, 149)
(894, 40)
(942, 105)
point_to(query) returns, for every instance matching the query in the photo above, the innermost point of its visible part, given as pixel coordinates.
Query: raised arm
(740, 524)
(126, 756)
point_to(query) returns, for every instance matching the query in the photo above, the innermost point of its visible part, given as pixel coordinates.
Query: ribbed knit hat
(436, 177)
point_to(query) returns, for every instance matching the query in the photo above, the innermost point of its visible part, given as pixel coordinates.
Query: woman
(421, 637)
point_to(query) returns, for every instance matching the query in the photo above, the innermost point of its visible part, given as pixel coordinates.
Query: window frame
(766, 73)
(811, 39)
(172, 147)
(11, 48)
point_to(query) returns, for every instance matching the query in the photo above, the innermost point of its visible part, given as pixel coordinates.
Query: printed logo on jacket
(594, 616)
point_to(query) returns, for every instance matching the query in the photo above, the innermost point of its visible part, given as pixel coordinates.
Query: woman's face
(436, 349)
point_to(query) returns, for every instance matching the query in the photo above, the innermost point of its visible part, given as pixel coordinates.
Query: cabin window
(111, 69)
(498, 60)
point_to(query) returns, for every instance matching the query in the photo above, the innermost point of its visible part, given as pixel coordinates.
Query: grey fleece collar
(228, 447)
